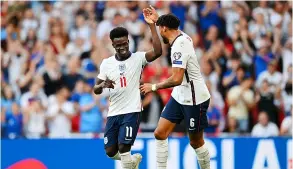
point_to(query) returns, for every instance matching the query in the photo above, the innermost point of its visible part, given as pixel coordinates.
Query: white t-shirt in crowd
(60, 126)
(265, 131)
(274, 79)
(36, 125)
(239, 111)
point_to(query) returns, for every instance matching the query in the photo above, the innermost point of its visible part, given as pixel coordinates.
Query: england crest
(122, 68)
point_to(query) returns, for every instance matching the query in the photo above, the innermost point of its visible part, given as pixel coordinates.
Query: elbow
(158, 53)
(177, 81)
(97, 90)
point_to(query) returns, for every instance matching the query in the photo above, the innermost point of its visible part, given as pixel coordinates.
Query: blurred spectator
(241, 100)
(272, 76)
(135, 27)
(215, 111)
(44, 18)
(58, 39)
(91, 116)
(34, 119)
(286, 126)
(47, 45)
(264, 128)
(107, 25)
(29, 22)
(179, 9)
(34, 92)
(214, 117)
(287, 90)
(15, 59)
(230, 78)
(72, 73)
(210, 73)
(7, 99)
(13, 123)
(232, 126)
(263, 9)
(266, 101)
(53, 77)
(59, 114)
(210, 14)
(81, 31)
(259, 28)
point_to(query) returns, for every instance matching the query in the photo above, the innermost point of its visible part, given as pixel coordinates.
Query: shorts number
(128, 131)
(192, 122)
(123, 81)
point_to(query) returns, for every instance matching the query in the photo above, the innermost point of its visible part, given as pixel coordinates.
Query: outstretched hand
(150, 15)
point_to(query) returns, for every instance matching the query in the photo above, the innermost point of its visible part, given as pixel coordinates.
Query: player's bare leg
(128, 161)
(165, 127)
(113, 152)
(197, 143)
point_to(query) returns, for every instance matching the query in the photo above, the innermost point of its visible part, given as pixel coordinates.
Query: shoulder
(139, 53)
(273, 125)
(108, 60)
(183, 40)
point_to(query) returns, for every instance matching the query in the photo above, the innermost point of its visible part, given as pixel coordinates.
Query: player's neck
(173, 36)
(122, 58)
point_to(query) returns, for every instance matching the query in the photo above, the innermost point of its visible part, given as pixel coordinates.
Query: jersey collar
(175, 39)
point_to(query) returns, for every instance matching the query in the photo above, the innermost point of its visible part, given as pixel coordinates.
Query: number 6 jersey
(125, 97)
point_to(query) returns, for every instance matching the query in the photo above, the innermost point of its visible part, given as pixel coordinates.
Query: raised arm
(151, 16)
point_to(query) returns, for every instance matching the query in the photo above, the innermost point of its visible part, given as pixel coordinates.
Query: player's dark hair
(169, 20)
(118, 32)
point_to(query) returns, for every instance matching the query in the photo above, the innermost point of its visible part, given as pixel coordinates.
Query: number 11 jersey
(125, 97)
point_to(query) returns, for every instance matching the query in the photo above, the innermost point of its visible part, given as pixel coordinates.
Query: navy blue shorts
(121, 129)
(195, 115)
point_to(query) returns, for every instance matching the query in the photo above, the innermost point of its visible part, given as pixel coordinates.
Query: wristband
(154, 87)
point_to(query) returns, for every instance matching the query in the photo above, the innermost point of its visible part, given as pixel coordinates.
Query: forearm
(170, 82)
(157, 47)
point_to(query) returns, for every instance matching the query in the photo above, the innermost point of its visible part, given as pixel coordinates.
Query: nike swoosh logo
(128, 139)
(191, 129)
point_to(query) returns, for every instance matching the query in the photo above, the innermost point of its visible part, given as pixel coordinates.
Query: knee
(196, 143)
(111, 152)
(160, 135)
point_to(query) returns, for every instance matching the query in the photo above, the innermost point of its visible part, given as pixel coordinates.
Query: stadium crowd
(51, 52)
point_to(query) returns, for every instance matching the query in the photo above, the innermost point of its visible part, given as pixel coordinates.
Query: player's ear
(164, 29)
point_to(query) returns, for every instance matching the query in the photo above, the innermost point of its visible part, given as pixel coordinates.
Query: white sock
(162, 153)
(116, 157)
(126, 160)
(203, 157)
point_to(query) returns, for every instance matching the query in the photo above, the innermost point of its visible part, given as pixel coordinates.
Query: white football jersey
(193, 89)
(125, 97)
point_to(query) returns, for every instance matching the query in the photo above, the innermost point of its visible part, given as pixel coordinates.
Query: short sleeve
(141, 55)
(179, 55)
(102, 75)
